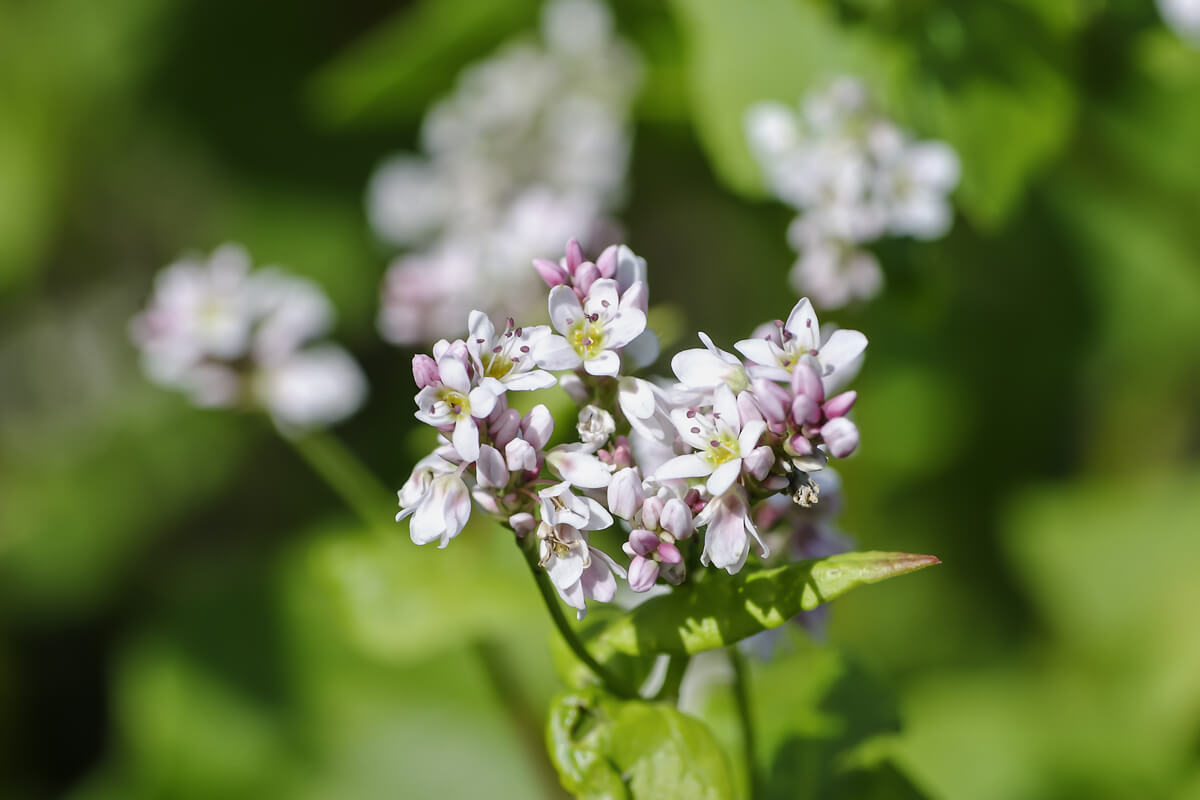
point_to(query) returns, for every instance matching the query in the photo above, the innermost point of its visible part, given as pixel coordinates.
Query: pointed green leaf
(720, 609)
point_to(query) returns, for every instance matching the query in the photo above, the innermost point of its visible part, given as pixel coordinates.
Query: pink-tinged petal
(491, 470)
(642, 541)
(805, 410)
(758, 462)
(504, 425)
(602, 298)
(573, 596)
(631, 268)
(760, 351)
(566, 570)
(802, 323)
(676, 518)
(669, 553)
(805, 381)
(841, 351)
(723, 477)
(555, 352)
(598, 581)
(522, 523)
(841, 437)
(605, 363)
(652, 510)
(458, 510)
(725, 406)
(565, 310)
(840, 406)
(466, 439)
(748, 409)
(587, 274)
(425, 371)
(454, 373)
(579, 468)
(519, 456)
(538, 426)
(773, 401)
(529, 381)
(748, 439)
(482, 400)
(643, 572)
(551, 273)
(687, 466)
(725, 541)
(625, 495)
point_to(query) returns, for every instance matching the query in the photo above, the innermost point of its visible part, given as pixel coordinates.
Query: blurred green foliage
(186, 613)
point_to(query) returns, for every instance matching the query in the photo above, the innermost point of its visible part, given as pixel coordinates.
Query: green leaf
(719, 610)
(403, 65)
(609, 748)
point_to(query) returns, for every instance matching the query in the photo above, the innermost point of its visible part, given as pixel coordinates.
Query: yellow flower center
(722, 449)
(587, 337)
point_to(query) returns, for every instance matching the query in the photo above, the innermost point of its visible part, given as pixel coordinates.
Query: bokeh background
(187, 612)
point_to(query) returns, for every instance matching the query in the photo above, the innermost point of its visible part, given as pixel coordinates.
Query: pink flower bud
(522, 523)
(772, 400)
(805, 409)
(425, 371)
(840, 405)
(607, 262)
(669, 553)
(537, 426)
(625, 494)
(551, 273)
(805, 381)
(841, 437)
(490, 469)
(799, 445)
(676, 518)
(642, 541)
(505, 427)
(519, 456)
(585, 276)
(748, 409)
(574, 256)
(622, 452)
(652, 511)
(642, 573)
(758, 464)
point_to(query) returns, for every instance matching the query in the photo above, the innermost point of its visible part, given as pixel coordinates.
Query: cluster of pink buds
(657, 461)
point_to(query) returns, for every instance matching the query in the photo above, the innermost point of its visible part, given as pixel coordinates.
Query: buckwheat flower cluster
(661, 477)
(531, 147)
(853, 176)
(229, 336)
(1183, 18)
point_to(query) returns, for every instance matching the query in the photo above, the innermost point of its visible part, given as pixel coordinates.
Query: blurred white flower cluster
(531, 146)
(229, 336)
(854, 176)
(1182, 17)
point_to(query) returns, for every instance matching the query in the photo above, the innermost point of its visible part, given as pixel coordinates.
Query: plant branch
(342, 471)
(741, 696)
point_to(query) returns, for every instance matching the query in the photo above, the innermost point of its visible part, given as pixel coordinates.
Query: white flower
(709, 368)
(721, 442)
(593, 333)
(776, 355)
(646, 407)
(314, 387)
(561, 506)
(438, 500)
(508, 356)
(453, 401)
(576, 465)
(577, 570)
(728, 532)
(915, 185)
(595, 426)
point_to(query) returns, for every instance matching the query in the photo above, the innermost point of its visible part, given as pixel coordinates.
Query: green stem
(674, 678)
(550, 596)
(741, 696)
(358, 488)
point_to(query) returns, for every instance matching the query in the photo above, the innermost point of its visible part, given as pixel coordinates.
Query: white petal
(479, 327)
(579, 468)
(606, 363)
(565, 571)
(555, 352)
(454, 374)
(802, 323)
(602, 298)
(482, 400)
(529, 381)
(837, 356)
(491, 470)
(725, 404)
(759, 351)
(698, 368)
(598, 516)
(597, 580)
(466, 438)
(751, 433)
(687, 466)
(624, 327)
(565, 310)
(723, 477)
(636, 397)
